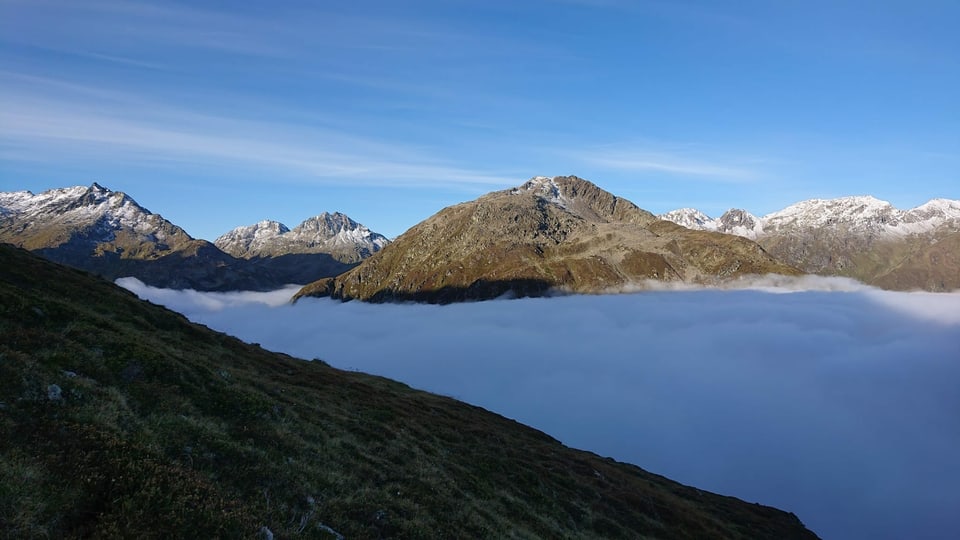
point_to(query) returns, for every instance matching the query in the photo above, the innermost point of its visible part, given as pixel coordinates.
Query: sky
(219, 114)
(820, 396)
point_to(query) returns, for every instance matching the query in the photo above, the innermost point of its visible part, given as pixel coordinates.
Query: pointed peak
(688, 217)
(685, 211)
(270, 224)
(939, 203)
(535, 182)
(543, 187)
(740, 212)
(334, 218)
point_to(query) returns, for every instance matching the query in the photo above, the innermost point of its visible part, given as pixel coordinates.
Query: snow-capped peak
(690, 218)
(861, 211)
(324, 233)
(863, 214)
(251, 237)
(943, 208)
(545, 187)
(338, 229)
(94, 208)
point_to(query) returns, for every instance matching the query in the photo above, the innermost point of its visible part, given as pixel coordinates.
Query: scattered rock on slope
(550, 233)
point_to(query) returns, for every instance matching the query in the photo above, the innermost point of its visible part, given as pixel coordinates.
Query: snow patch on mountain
(691, 218)
(252, 238)
(325, 233)
(95, 209)
(546, 188)
(865, 215)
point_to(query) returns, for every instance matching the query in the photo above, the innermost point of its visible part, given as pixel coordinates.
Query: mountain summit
(549, 233)
(336, 234)
(108, 233)
(87, 217)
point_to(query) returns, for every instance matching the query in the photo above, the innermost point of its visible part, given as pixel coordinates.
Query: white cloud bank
(842, 407)
(191, 301)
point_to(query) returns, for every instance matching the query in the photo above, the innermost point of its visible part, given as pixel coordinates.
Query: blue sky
(218, 114)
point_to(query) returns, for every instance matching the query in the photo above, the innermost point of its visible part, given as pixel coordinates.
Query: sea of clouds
(838, 402)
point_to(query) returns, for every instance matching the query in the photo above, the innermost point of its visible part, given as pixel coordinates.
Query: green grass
(166, 429)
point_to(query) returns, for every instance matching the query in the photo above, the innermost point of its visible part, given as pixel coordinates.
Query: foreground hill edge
(121, 418)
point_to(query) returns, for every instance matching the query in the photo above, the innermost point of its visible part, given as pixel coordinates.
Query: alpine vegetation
(119, 418)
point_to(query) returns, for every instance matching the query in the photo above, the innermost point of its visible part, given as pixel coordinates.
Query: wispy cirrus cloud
(304, 34)
(101, 26)
(45, 116)
(652, 158)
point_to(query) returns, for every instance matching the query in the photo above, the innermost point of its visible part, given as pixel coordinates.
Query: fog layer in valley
(837, 402)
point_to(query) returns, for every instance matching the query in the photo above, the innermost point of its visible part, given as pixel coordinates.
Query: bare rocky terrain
(860, 237)
(549, 234)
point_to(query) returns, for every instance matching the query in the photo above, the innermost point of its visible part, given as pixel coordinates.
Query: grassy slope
(161, 428)
(916, 262)
(931, 267)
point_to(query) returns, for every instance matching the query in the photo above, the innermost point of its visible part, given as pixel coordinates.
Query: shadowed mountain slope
(121, 418)
(560, 233)
(108, 233)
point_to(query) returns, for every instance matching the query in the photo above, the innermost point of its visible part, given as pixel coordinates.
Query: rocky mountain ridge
(860, 237)
(336, 234)
(109, 233)
(860, 214)
(91, 214)
(559, 233)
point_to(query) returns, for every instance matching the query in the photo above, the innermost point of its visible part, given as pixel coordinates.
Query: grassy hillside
(915, 262)
(121, 418)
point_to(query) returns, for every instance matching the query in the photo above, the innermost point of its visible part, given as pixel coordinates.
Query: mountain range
(108, 233)
(119, 418)
(549, 234)
(562, 233)
(335, 234)
(860, 237)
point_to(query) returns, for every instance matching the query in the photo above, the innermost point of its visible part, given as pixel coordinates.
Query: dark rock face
(561, 233)
(736, 218)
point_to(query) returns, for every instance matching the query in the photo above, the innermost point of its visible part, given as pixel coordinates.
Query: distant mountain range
(561, 233)
(860, 237)
(108, 233)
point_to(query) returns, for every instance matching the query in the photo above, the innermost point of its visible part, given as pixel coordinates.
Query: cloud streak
(44, 116)
(838, 406)
(674, 162)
